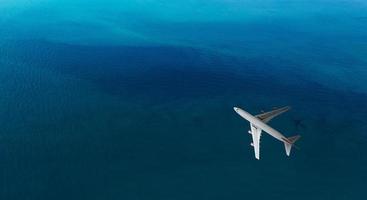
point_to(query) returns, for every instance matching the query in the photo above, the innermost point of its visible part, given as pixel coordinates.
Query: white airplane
(258, 124)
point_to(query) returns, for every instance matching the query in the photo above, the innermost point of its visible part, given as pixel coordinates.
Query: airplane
(258, 123)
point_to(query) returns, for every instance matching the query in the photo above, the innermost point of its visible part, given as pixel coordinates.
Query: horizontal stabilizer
(293, 139)
(289, 142)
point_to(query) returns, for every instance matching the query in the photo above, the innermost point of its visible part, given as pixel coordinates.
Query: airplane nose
(235, 109)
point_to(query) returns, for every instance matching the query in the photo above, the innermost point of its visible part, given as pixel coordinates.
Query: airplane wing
(267, 116)
(256, 134)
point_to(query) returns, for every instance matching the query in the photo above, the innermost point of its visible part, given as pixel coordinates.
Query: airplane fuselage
(259, 124)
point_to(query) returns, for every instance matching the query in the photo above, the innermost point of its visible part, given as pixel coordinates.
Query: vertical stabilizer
(288, 148)
(288, 143)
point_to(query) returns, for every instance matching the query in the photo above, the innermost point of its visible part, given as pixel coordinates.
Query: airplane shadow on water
(299, 124)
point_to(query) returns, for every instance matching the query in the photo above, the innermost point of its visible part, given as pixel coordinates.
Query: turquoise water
(133, 99)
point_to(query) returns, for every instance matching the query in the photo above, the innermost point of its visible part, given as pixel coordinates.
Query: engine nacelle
(252, 144)
(249, 132)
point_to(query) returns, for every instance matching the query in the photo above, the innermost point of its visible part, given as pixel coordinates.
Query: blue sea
(134, 100)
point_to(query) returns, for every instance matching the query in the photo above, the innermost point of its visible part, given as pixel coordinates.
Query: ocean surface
(134, 99)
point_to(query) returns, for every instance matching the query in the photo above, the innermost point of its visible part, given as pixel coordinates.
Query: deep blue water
(133, 100)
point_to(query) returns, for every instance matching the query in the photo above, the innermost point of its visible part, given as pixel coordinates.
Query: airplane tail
(289, 142)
